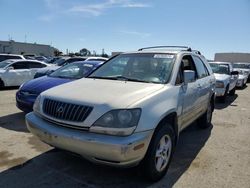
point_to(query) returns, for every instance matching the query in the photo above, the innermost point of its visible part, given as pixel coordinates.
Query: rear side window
(35, 65)
(20, 65)
(201, 69)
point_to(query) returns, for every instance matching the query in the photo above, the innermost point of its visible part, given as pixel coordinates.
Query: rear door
(34, 67)
(18, 75)
(203, 83)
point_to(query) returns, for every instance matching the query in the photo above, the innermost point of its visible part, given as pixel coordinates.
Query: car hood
(109, 94)
(241, 77)
(221, 77)
(2, 71)
(38, 85)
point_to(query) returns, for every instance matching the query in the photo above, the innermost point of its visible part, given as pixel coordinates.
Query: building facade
(12, 47)
(232, 57)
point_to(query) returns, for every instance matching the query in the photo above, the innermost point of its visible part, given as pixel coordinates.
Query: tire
(162, 144)
(223, 98)
(1, 84)
(232, 92)
(205, 120)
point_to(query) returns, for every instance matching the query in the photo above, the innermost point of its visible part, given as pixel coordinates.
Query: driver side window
(20, 65)
(187, 63)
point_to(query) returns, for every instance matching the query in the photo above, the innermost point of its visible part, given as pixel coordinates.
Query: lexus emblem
(60, 109)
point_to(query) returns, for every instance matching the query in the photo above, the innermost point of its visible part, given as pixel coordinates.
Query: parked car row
(228, 77)
(16, 70)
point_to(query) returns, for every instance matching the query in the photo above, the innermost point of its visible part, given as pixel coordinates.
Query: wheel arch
(171, 119)
(2, 84)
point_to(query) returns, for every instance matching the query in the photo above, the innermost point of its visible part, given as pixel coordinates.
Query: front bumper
(99, 148)
(25, 102)
(240, 83)
(219, 92)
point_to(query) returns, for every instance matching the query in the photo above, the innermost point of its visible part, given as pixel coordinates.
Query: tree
(85, 52)
(57, 52)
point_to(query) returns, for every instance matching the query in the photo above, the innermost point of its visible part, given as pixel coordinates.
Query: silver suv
(131, 110)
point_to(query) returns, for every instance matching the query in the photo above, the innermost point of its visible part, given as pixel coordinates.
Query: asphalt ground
(215, 157)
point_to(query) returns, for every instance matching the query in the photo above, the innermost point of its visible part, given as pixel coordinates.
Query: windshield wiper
(122, 78)
(101, 77)
(131, 79)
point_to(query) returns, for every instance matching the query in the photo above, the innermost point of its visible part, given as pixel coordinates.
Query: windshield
(73, 71)
(148, 67)
(220, 68)
(240, 66)
(60, 61)
(3, 64)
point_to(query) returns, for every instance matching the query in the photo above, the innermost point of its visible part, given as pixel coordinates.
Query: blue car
(28, 92)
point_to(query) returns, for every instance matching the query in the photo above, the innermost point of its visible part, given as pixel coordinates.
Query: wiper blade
(101, 77)
(121, 78)
(130, 79)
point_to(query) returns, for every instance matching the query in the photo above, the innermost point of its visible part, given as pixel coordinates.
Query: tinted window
(201, 69)
(96, 59)
(4, 57)
(20, 65)
(35, 65)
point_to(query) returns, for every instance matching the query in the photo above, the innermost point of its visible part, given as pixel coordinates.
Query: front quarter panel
(155, 107)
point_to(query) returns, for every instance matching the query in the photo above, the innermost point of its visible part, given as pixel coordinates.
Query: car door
(188, 94)
(233, 78)
(203, 83)
(34, 67)
(18, 75)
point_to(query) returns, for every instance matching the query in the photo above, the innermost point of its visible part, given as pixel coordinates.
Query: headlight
(219, 84)
(37, 104)
(117, 122)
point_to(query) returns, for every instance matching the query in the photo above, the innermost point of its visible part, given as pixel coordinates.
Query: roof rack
(153, 47)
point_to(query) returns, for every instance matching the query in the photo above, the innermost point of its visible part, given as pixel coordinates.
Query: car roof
(12, 55)
(88, 62)
(24, 60)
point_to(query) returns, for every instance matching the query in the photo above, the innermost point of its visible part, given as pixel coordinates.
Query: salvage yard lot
(215, 157)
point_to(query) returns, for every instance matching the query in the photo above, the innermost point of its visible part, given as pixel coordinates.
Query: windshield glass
(148, 67)
(73, 71)
(240, 66)
(220, 68)
(3, 64)
(60, 61)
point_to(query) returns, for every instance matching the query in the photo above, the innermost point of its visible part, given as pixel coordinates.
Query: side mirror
(10, 68)
(189, 76)
(234, 73)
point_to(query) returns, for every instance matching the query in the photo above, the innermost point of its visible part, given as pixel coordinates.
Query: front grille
(66, 111)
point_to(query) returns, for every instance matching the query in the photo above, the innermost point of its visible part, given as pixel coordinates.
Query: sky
(210, 26)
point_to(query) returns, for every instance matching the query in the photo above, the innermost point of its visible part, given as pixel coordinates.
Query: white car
(15, 72)
(226, 79)
(4, 57)
(129, 111)
(242, 80)
(242, 68)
